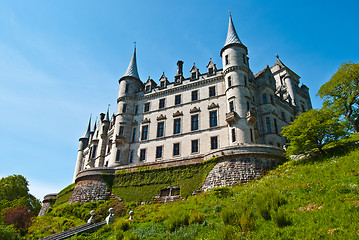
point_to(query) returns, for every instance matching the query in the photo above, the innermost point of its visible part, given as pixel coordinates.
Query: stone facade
(194, 116)
(49, 199)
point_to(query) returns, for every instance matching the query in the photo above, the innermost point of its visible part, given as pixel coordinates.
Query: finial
(277, 56)
(229, 10)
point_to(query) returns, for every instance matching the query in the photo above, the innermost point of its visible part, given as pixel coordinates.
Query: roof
(232, 36)
(132, 67)
(88, 130)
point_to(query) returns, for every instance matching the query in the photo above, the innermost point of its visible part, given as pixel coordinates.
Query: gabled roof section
(266, 69)
(232, 36)
(151, 82)
(281, 65)
(132, 67)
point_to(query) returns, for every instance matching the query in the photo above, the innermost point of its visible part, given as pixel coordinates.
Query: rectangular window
(177, 99)
(177, 126)
(160, 129)
(147, 107)
(136, 109)
(212, 91)
(194, 95)
(247, 106)
(231, 106)
(195, 146)
(229, 80)
(124, 108)
(264, 98)
(275, 126)
(142, 154)
(194, 75)
(283, 117)
(213, 119)
(268, 125)
(194, 122)
(244, 58)
(162, 103)
(131, 157)
(271, 99)
(133, 135)
(94, 151)
(176, 149)
(233, 134)
(251, 132)
(210, 71)
(214, 142)
(122, 128)
(148, 88)
(162, 84)
(144, 135)
(303, 108)
(118, 155)
(245, 80)
(226, 58)
(159, 152)
(126, 89)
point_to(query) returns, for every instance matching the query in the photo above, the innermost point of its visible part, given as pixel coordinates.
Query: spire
(232, 36)
(88, 130)
(94, 126)
(132, 67)
(107, 117)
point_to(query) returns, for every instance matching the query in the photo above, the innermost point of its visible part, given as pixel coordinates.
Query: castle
(197, 116)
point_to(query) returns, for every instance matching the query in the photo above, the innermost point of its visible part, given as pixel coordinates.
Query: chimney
(179, 67)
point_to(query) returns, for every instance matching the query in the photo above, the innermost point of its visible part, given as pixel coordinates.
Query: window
(283, 117)
(210, 71)
(251, 132)
(142, 154)
(109, 146)
(275, 126)
(247, 106)
(245, 80)
(231, 106)
(264, 98)
(271, 99)
(118, 154)
(176, 149)
(213, 119)
(268, 125)
(131, 157)
(253, 99)
(194, 122)
(136, 109)
(162, 84)
(122, 128)
(144, 135)
(194, 146)
(177, 99)
(214, 142)
(147, 107)
(126, 89)
(177, 126)
(212, 91)
(291, 119)
(226, 58)
(229, 80)
(194, 75)
(148, 88)
(233, 134)
(94, 151)
(271, 143)
(244, 58)
(124, 108)
(133, 135)
(159, 152)
(194, 95)
(162, 103)
(160, 129)
(303, 108)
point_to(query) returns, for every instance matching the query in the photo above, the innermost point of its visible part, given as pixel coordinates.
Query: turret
(84, 140)
(130, 85)
(105, 123)
(236, 74)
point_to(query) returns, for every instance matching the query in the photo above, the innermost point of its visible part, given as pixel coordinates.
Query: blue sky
(60, 61)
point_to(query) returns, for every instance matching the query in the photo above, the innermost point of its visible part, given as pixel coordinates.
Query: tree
(341, 93)
(20, 217)
(313, 129)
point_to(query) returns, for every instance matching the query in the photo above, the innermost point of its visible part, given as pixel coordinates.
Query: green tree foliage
(341, 93)
(14, 192)
(19, 217)
(313, 129)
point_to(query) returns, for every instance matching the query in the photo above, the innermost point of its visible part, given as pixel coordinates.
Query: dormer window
(148, 88)
(162, 84)
(210, 71)
(194, 75)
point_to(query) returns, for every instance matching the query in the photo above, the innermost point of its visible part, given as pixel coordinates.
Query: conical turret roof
(88, 130)
(132, 67)
(232, 36)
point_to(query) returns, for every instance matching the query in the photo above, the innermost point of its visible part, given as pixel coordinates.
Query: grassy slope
(308, 199)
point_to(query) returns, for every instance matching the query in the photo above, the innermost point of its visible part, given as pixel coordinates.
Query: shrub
(130, 236)
(228, 233)
(20, 217)
(238, 216)
(267, 201)
(119, 235)
(196, 217)
(8, 233)
(176, 220)
(222, 192)
(121, 225)
(280, 218)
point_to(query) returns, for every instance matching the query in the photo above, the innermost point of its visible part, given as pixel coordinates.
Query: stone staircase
(88, 227)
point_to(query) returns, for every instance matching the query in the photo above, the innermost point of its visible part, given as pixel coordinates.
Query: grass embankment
(307, 199)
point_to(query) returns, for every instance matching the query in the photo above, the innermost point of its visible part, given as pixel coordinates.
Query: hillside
(306, 199)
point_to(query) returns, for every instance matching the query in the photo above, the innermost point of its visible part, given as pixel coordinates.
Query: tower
(236, 74)
(84, 140)
(130, 84)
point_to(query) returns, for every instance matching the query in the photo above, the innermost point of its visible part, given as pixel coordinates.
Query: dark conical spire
(132, 67)
(232, 36)
(88, 130)
(107, 117)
